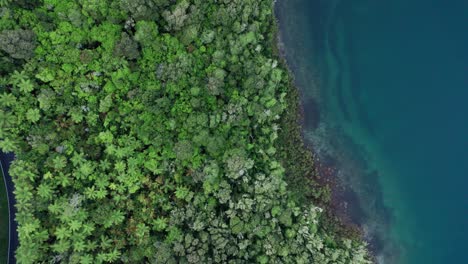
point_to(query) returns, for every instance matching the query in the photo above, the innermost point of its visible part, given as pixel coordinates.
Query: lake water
(391, 81)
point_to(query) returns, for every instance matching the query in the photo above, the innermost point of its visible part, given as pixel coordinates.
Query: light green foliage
(33, 115)
(4, 2)
(146, 32)
(146, 132)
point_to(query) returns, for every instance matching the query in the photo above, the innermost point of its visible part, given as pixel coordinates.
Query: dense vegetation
(145, 131)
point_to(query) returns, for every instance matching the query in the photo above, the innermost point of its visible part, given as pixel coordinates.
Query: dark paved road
(5, 160)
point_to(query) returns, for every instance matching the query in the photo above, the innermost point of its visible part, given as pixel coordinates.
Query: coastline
(211, 132)
(356, 198)
(342, 206)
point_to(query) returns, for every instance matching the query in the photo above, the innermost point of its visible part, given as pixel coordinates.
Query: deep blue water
(391, 80)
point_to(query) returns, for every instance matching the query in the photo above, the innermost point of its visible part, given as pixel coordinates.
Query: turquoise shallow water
(391, 81)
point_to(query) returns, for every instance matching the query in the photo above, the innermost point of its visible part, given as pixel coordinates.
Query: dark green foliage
(127, 47)
(7, 65)
(26, 4)
(18, 43)
(143, 9)
(296, 157)
(147, 131)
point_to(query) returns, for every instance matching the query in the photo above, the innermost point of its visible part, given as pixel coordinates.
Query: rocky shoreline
(344, 209)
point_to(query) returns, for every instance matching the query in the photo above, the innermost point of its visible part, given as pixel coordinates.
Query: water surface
(391, 80)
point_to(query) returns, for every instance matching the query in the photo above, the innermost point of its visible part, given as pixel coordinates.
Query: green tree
(127, 47)
(157, 131)
(18, 43)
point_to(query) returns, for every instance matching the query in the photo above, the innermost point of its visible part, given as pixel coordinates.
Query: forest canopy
(146, 131)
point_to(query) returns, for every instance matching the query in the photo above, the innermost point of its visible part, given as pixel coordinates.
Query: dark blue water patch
(313, 114)
(299, 27)
(6, 159)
